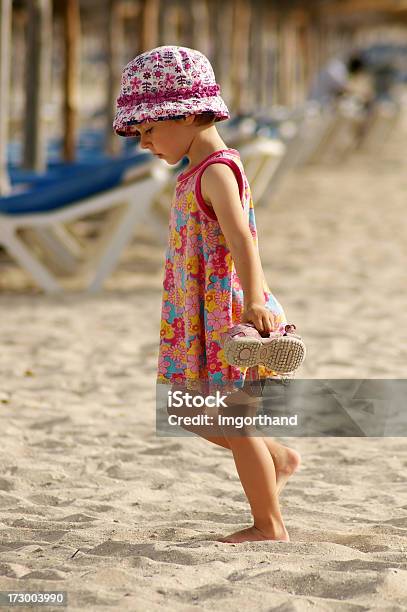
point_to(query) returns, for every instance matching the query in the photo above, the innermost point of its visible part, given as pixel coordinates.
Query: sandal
(282, 350)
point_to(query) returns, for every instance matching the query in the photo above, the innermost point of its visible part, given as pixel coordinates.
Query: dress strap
(208, 210)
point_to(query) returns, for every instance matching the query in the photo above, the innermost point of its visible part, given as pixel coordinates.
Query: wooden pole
(213, 50)
(115, 37)
(259, 58)
(221, 28)
(301, 58)
(198, 25)
(149, 16)
(168, 23)
(37, 83)
(270, 87)
(183, 12)
(71, 76)
(5, 40)
(314, 35)
(240, 54)
(287, 60)
(283, 61)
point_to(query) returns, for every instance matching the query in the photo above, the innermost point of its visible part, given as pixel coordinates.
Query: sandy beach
(95, 504)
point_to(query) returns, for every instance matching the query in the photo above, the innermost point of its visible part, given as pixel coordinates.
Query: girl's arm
(219, 188)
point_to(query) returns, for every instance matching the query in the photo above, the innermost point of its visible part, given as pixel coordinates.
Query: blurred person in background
(330, 82)
(360, 83)
(341, 78)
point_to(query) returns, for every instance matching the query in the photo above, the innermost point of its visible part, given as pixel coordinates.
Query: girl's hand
(262, 318)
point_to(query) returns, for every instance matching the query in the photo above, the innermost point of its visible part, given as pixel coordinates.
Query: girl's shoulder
(193, 171)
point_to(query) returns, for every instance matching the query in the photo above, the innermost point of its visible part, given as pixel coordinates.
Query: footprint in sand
(77, 518)
(13, 570)
(50, 423)
(124, 549)
(46, 574)
(42, 499)
(6, 485)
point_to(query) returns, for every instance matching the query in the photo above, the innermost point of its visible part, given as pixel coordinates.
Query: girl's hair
(205, 118)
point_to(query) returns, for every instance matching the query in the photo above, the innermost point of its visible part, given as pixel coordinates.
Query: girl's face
(170, 140)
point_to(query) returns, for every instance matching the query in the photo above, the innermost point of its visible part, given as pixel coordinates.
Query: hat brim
(128, 116)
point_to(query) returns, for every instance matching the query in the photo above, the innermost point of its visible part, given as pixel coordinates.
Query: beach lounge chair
(382, 122)
(261, 154)
(261, 158)
(37, 218)
(336, 136)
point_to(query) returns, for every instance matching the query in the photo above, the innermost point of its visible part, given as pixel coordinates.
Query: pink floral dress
(202, 294)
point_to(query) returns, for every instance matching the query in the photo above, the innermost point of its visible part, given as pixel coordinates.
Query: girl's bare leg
(257, 474)
(258, 477)
(254, 464)
(286, 460)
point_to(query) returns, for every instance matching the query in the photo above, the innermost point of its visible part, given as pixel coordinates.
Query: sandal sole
(282, 355)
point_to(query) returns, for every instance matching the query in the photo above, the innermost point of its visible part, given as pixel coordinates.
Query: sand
(94, 504)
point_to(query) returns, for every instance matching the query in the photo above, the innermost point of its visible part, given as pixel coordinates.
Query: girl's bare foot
(252, 534)
(286, 462)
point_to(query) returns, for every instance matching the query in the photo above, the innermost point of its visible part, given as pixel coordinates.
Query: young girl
(213, 275)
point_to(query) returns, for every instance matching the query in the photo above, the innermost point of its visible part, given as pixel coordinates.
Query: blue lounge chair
(124, 186)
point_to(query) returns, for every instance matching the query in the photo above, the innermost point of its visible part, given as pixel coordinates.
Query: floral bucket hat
(167, 83)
